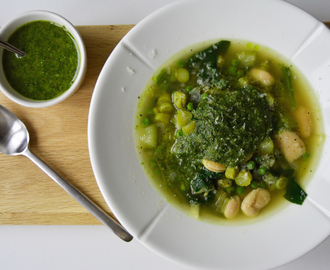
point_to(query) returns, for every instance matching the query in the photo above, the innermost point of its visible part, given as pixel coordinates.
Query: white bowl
(272, 240)
(30, 16)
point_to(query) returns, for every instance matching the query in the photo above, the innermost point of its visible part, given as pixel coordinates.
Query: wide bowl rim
(125, 51)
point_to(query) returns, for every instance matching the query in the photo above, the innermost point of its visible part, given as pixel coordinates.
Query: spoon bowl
(14, 140)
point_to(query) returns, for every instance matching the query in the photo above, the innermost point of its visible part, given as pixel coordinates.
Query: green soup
(50, 65)
(226, 131)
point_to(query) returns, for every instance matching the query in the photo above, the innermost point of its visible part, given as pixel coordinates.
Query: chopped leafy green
(294, 193)
(206, 63)
(161, 77)
(204, 181)
(288, 84)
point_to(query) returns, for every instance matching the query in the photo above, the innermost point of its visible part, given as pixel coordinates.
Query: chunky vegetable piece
(227, 130)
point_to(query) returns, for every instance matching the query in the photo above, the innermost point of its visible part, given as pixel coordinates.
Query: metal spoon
(11, 48)
(14, 140)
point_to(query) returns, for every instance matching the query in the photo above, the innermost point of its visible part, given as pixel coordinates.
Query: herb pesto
(230, 125)
(51, 61)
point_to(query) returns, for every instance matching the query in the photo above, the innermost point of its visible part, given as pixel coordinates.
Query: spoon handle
(11, 48)
(81, 198)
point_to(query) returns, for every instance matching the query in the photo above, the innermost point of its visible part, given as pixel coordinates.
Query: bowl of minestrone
(208, 133)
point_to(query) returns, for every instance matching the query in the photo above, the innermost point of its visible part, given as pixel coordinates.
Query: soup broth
(224, 131)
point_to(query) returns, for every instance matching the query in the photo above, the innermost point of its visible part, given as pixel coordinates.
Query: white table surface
(96, 247)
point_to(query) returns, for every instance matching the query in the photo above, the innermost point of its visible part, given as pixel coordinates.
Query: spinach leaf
(204, 181)
(294, 193)
(205, 62)
(288, 84)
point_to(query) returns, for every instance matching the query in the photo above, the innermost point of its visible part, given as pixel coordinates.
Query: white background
(96, 247)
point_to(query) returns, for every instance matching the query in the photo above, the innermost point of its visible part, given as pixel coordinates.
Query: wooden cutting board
(59, 137)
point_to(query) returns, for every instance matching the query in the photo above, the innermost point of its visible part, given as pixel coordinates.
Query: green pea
(150, 111)
(262, 184)
(180, 63)
(190, 106)
(262, 170)
(251, 165)
(153, 163)
(234, 62)
(232, 70)
(240, 72)
(159, 149)
(240, 190)
(258, 159)
(179, 133)
(189, 88)
(254, 184)
(145, 121)
(230, 190)
(204, 95)
(306, 155)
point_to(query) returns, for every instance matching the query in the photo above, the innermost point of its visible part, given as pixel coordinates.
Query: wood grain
(59, 137)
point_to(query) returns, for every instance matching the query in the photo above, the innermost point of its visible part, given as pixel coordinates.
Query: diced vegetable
(243, 178)
(231, 172)
(182, 75)
(266, 146)
(187, 129)
(183, 117)
(164, 98)
(281, 182)
(219, 199)
(194, 209)
(149, 137)
(267, 160)
(270, 181)
(247, 58)
(224, 183)
(163, 118)
(179, 99)
(166, 107)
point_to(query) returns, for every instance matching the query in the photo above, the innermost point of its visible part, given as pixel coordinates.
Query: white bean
(291, 145)
(304, 119)
(262, 76)
(232, 207)
(213, 166)
(254, 201)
